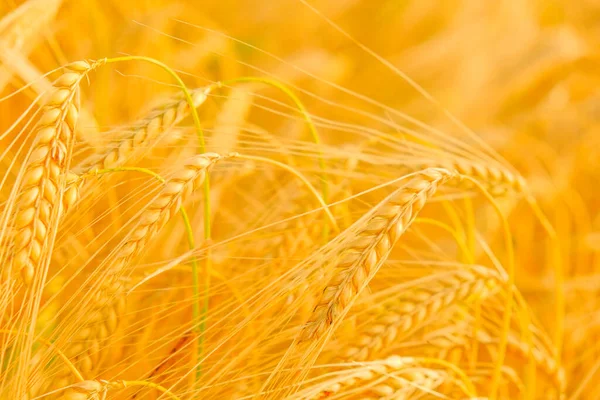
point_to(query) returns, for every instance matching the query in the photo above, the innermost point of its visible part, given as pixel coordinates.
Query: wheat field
(300, 199)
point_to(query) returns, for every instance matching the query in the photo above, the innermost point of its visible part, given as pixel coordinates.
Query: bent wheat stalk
(362, 257)
(44, 181)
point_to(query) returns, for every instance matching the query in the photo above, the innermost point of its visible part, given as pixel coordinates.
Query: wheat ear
(361, 258)
(44, 181)
(417, 305)
(148, 129)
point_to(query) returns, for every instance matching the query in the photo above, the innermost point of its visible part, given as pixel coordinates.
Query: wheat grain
(44, 178)
(360, 259)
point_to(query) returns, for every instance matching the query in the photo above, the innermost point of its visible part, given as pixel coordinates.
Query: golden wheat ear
(41, 199)
(360, 258)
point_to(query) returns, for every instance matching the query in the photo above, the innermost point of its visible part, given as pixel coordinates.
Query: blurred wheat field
(299, 199)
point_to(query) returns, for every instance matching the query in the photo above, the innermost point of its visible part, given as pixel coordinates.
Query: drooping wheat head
(361, 258)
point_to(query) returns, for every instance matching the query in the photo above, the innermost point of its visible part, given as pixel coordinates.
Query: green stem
(206, 189)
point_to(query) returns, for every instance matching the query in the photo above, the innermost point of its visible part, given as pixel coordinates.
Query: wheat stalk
(415, 306)
(44, 180)
(360, 259)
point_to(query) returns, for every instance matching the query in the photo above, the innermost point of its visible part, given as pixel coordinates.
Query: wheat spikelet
(540, 350)
(360, 260)
(141, 134)
(496, 179)
(108, 302)
(44, 178)
(415, 306)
